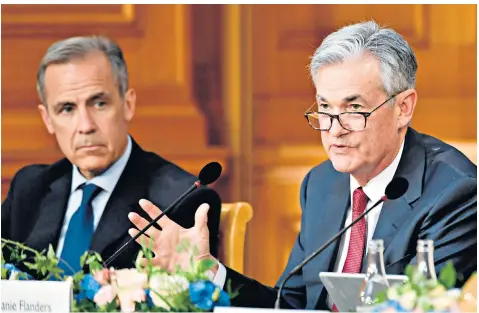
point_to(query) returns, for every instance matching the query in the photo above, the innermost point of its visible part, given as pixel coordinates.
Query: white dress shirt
(374, 189)
(107, 181)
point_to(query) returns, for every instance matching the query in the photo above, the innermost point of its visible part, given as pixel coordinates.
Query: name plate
(36, 296)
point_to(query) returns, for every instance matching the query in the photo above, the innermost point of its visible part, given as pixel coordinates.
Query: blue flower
(205, 295)
(11, 269)
(149, 301)
(80, 296)
(88, 288)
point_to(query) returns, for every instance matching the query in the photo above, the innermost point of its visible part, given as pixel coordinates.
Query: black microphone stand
(321, 249)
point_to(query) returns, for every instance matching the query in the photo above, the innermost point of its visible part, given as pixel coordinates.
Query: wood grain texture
(285, 147)
(156, 41)
(176, 65)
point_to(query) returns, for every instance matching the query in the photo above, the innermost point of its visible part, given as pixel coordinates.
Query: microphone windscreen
(396, 188)
(210, 173)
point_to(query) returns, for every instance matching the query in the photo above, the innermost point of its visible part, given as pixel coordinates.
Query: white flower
(446, 300)
(408, 300)
(441, 303)
(392, 294)
(437, 292)
(164, 286)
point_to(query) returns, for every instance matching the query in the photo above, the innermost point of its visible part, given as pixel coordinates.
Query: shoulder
(321, 182)
(319, 174)
(443, 161)
(165, 173)
(449, 176)
(41, 172)
(168, 180)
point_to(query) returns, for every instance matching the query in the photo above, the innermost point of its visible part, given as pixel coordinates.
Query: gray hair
(78, 47)
(397, 60)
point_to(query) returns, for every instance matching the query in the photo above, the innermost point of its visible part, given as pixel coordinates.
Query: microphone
(208, 174)
(395, 189)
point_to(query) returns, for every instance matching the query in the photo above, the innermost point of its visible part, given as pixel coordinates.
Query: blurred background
(230, 83)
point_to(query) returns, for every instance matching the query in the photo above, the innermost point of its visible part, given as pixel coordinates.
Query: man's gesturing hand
(166, 240)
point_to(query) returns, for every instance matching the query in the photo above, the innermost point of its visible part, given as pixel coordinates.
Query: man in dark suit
(82, 202)
(365, 78)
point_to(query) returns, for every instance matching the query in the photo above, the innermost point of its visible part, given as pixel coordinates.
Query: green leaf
(447, 277)
(380, 297)
(229, 290)
(206, 264)
(51, 252)
(111, 307)
(98, 257)
(83, 259)
(31, 266)
(90, 259)
(424, 304)
(409, 271)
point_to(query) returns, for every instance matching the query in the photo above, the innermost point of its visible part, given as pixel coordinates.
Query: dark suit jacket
(440, 204)
(36, 203)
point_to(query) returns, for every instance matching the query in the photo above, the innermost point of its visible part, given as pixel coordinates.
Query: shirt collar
(376, 187)
(108, 179)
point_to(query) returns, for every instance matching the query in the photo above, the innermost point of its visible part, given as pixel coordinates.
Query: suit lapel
(329, 220)
(51, 213)
(395, 212)
(131, 187)
(328, 223)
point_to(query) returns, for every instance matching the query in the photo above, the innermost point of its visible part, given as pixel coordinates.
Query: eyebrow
(345, 99)
(97, 96)
(92, 98)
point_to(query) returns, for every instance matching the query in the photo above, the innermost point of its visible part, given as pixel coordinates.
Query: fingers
(153, 211)
(201, 215)
(141, 223)
(143, 240)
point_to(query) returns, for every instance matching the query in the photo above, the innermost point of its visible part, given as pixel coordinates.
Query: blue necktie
(79, 232)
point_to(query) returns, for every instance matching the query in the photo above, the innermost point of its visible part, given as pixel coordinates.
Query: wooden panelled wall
(174, 53)
(156, 41)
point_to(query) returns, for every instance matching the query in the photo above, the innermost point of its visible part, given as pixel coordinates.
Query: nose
(86, 124)
(336, 129)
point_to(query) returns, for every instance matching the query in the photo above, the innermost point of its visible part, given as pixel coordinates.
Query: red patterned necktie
(357, 237)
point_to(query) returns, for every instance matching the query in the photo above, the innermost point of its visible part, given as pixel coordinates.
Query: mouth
(340, 148)
(90, 147)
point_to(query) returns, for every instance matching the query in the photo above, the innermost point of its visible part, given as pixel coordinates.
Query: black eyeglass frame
(336, 116)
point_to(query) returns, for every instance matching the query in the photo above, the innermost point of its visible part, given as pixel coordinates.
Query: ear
(406, 107)
(130, 104)
(46, 118)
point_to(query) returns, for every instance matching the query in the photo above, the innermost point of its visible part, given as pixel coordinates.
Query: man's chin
(93, 164)
(342, 164)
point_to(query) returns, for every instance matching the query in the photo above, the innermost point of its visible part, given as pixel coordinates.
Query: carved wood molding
(41, 20)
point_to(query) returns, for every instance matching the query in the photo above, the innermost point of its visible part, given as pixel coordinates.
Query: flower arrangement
(144, 288)
(419, 294)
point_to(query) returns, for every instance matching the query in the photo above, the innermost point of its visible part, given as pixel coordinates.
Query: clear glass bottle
(375, 279)
(425, 259)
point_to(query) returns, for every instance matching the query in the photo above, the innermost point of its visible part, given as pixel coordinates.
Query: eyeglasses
(352, 121)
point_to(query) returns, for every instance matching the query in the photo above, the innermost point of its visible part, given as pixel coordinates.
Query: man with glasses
(365, 98)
